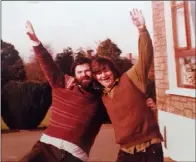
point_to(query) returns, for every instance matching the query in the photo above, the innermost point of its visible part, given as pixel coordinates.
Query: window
(183, 23)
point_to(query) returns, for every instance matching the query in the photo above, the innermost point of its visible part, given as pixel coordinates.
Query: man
(76, 111)
(135, 125)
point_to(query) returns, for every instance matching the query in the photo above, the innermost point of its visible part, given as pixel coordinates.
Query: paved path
(16, 144)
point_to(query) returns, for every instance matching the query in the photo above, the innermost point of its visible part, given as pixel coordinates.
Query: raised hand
(30, 32)
(137, 18)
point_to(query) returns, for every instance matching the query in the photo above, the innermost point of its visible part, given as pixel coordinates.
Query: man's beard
(85, 82)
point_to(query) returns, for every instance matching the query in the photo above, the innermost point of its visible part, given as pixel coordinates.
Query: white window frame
(173, 88)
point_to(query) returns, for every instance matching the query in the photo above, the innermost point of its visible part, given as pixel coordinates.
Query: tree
(64, 60)
(12, 67)
(107, 48)
(80, 53)
(123, 64)
(34, 71)
(89, 53)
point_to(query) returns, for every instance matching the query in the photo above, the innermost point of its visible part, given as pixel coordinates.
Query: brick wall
(178, 105)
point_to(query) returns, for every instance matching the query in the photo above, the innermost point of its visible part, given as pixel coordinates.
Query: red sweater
(76, 115)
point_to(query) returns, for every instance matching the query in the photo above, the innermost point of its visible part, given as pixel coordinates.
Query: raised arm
(53, 74)
(139, 72)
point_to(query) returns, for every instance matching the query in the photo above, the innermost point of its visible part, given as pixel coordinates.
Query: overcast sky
(75, 24)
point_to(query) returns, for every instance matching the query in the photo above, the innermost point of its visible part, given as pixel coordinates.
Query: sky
(73, 23)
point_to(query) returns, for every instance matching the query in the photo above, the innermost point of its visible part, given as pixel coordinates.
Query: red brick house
(175, 76)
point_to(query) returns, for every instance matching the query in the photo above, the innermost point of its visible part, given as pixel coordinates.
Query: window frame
(181, 51)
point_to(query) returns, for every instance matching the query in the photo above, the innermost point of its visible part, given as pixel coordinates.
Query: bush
(24, 105)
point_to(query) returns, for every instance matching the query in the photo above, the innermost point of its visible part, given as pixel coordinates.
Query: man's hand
(150, 103)
(137, 18)
(31, 33)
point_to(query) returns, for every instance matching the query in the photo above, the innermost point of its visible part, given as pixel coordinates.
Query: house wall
(176, 106)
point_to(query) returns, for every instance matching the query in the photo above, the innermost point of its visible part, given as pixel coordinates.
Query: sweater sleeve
(94, 127)
(51, 71)
(138, 74)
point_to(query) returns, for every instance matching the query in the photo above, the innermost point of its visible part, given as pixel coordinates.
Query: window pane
(187, 70)
(192, 21)
(180, 25)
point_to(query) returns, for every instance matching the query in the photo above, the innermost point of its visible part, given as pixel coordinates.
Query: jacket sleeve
(138, 74)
